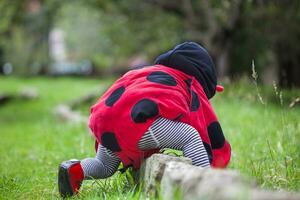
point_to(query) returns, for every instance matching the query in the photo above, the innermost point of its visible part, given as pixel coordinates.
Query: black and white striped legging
(163, 133)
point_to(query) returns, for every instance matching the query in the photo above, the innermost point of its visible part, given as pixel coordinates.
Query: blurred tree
(24, 30)
(37, 25)
(235, 32)
(268, 33)
(108, 37)
(110, 32)
(283, 30)
(211, 23)
(11, 13)
(8, 15)
(136, 28)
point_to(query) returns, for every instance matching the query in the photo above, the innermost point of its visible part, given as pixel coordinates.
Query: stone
(29, 93)
(152, 170)
(89, 99)
(64, 113)
(258, 194)
(196, 182)
(192, 182)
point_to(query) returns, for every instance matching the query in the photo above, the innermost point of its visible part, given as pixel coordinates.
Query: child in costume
(161, 106)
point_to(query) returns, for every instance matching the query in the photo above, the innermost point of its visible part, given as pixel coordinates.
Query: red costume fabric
(128, 108)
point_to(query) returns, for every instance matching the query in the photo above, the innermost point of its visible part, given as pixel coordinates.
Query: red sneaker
(70, 177)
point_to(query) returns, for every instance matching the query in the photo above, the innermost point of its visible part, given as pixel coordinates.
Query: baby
(154, 107)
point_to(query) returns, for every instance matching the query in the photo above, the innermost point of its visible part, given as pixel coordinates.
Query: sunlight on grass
(264, 138)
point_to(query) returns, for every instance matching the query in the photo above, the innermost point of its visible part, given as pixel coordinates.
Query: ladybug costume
(178, 91)
(178, 87)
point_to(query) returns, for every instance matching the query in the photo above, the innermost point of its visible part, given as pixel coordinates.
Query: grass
(264, 138)
(264, 135)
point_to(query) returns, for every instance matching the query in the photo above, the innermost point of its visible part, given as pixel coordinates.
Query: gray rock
(191, 182)
(258, 194)
(152, 170)
(64, 113)
(29, 93)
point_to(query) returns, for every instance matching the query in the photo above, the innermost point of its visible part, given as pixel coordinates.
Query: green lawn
(264, 138)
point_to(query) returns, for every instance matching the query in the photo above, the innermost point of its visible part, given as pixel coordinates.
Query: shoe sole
(64, 185)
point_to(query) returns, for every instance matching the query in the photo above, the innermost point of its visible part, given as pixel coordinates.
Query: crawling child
(154, 107)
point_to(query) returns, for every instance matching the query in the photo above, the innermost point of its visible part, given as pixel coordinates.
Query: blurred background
(58, 56)
(100, 38)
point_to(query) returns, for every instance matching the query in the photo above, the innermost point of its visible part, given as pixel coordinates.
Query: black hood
(192, 59)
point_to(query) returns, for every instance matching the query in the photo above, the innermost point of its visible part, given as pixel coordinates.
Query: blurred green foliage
(109, 33)
(24, 30)
(110, 37)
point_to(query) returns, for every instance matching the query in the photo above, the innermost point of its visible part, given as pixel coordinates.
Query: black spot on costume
(114, 96)
(109, 141)
(143, 110)
(216, 136)
(209, 151)
(195, 102)
(162, 78)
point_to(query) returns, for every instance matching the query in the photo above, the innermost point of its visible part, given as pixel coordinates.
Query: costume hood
(192, 59)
